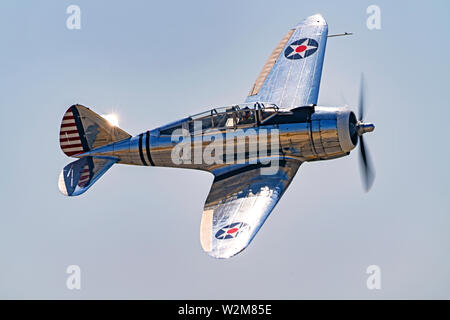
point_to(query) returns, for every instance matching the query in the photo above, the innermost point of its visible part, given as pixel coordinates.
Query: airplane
(280, 116)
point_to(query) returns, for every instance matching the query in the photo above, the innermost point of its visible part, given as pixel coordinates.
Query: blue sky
(135, 234)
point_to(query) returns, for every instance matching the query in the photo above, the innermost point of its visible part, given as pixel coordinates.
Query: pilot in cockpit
(245, 116)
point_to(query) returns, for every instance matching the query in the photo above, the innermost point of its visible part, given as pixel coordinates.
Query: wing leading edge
(238, 205)
(291, 75)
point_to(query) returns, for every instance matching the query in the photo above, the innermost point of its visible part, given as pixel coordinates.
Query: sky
(135, 233)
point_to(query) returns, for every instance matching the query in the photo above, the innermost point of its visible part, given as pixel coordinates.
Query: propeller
(367, 169)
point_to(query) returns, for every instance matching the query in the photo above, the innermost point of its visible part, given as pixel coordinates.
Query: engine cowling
(334, 132)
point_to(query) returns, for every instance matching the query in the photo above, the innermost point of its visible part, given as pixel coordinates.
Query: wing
(238, 204)
(291, 75)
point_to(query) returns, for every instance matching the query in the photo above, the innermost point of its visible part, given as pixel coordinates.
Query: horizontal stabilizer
(81, 174)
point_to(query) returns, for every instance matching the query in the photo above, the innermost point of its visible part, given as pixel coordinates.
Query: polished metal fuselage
(323, 135)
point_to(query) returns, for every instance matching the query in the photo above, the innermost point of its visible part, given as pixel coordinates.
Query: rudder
(83, 130)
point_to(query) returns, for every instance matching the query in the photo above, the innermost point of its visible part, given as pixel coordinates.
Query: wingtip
(316, 19)
(223, 255)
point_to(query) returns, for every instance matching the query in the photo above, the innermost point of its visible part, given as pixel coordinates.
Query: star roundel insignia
(301, 49)
(231, 231)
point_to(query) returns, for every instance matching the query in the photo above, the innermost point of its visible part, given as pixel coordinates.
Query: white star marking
(302, 54)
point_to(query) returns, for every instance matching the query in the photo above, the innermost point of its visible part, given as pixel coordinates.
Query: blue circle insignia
(301, 49)
(231, 231)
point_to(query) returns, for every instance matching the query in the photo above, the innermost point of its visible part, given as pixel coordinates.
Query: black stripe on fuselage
(147, 148)
(141, 154)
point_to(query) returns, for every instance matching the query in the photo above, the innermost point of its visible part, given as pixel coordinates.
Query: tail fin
(81, 174)
(83, 130)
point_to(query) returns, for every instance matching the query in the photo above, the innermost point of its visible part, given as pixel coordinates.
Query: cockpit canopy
(233, 117)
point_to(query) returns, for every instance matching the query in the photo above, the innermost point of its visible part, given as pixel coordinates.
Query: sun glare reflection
(112, 118)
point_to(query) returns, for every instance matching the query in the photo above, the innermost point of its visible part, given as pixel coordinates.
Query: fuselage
(243, 134)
